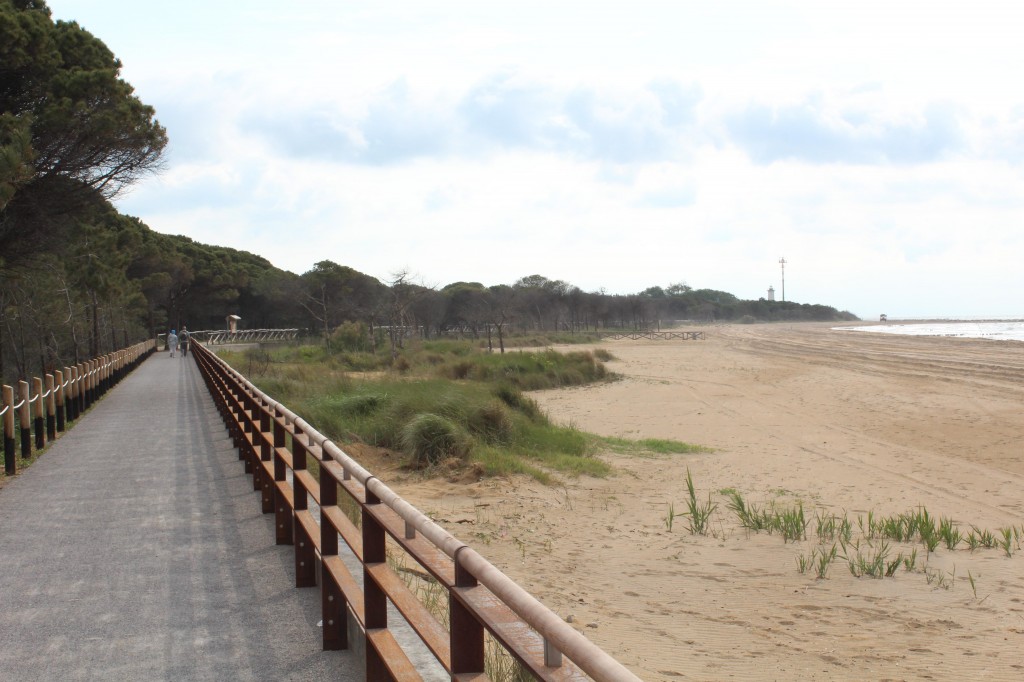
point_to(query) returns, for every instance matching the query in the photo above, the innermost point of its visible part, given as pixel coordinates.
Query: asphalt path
(135, 549)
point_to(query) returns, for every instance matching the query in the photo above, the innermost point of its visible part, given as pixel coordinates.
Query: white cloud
(876, 146)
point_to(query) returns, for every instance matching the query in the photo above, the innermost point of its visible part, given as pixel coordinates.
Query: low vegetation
(871, 545)
(445, 404)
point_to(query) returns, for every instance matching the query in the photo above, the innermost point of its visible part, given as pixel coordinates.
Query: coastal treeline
(79, 279)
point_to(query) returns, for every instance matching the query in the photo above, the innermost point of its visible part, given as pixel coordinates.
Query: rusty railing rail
(222, 336)
(47, 406)
(276, 446)
(654, 335)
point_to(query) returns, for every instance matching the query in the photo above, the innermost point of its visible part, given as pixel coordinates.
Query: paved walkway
(134, 549)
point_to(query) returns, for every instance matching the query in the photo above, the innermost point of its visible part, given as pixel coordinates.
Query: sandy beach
(843, 422)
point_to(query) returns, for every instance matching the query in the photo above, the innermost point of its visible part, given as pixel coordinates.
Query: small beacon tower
(771, 293)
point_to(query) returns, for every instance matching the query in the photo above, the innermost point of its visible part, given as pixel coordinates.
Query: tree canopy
(78, 279)
(72, 132)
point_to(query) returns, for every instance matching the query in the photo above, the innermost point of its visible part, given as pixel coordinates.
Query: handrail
(45, 413)
(653, 335)
(481, 597)
(222, 336)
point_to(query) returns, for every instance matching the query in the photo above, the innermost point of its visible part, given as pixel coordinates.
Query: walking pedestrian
(172, 342)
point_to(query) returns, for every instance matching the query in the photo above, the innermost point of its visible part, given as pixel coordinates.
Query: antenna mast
(782, 262)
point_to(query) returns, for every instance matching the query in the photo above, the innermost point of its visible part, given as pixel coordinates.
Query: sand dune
(845, 422)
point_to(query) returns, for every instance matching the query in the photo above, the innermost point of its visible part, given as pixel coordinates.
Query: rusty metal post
(332, 602)
(305, 569)
(51, 409)
(244, 427)
(283, 520)
(38, 424)
(375, 602)
(266, 454)
(24, 421)
(467, 634)
(249, 426)
(58, 397)
(10, 460)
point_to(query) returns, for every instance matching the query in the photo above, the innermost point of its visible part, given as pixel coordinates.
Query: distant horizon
(996, 330)
(875, 147)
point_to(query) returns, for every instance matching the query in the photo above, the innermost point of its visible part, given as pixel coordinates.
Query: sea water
(1003, 330)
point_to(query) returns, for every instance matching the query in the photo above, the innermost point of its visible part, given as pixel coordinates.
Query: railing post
(58, 397)
(38, 424)
(80, 388)
(305, 554)
(51, 409)
(266, 455)
(93, 382)
(72, 396)
(332, 603)
(103, 375)
(24, 421)
(250, 427)
(10, 459)
(283, 519)
(375, 603)
(84, 394)
(467, 634)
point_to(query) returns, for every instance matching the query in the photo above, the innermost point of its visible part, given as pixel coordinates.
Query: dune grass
(446, 400)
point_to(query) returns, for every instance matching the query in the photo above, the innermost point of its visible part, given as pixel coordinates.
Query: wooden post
(72, 401)
(266, 455)
(305, 569)
(467, 634)
(59, 398)
(332, 604)
(51, 409)
(375, 602)
(10, 460)
(83, 381)
(24, 421)
(284, 519)
(90, 383)
(38, 424)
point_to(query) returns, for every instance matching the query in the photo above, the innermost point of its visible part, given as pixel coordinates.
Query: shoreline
(795, 413)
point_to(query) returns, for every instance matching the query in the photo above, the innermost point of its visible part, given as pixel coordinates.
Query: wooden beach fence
(46, 406)
(307, 482)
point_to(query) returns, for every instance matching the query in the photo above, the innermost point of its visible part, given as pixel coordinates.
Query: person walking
(183, 340)
(172, 342)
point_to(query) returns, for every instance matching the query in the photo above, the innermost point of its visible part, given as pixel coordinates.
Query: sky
(877, 147)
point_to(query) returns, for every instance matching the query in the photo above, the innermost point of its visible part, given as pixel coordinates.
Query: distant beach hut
(883, 318)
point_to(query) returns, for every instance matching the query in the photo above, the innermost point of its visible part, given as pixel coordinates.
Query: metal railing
(654, 335)
(277, 447)
(222, 336)
(67, 394)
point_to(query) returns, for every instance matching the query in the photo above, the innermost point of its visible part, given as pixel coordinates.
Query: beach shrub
(361, 404)
(429, 439)
(492, 422)
(351, 336)
(515, 399)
